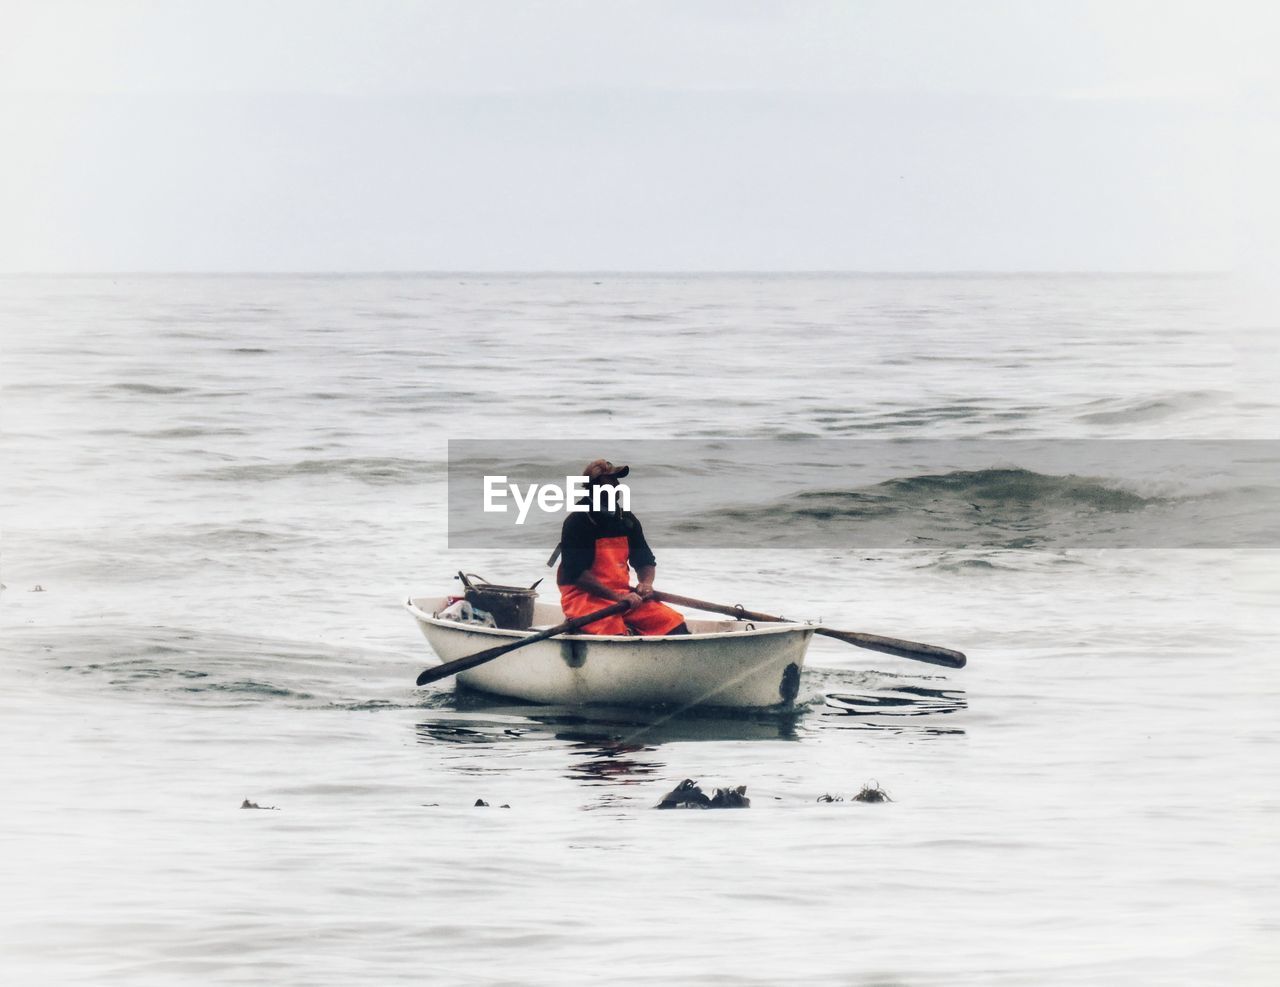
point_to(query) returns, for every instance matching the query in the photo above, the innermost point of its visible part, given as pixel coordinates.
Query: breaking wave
(994, 508)
(976, 488)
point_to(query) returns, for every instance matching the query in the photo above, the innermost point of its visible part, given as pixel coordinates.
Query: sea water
(218, 491)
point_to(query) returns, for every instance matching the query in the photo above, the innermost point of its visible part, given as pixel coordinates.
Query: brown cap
(602, 469)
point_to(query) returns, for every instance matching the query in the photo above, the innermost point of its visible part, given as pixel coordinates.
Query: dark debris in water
(688, 795)
(246, 804)
(872, 792)
(730, 798)
(482, 802)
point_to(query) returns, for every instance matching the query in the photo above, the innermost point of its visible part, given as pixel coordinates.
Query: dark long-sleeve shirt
(578, 542)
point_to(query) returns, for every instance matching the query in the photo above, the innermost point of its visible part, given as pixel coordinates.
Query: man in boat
(599, 548)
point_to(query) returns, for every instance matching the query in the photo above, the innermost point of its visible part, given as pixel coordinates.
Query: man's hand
(644, 590)
(632, 601)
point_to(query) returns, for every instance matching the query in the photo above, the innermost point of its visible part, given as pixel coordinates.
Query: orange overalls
(612, 568)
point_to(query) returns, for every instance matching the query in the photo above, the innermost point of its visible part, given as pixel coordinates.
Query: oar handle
(735, 611)
(480, 657)
(874, 642)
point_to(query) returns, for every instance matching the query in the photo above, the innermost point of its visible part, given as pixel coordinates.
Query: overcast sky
(895, 135)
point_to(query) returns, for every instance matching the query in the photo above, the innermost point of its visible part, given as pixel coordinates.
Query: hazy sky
(896, 135)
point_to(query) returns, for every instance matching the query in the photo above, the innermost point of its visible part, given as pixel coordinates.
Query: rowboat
(725, 663)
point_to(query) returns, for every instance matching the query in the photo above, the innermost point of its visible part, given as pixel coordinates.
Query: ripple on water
(176, 666)
(139, 387)
(372, 470)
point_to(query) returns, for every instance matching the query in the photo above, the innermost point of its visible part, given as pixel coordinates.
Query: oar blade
(435, 674)
(903, 649)
(448, 668)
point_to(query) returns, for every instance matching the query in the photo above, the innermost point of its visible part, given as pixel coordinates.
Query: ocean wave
(972, 490)
(138, 387)
(377, 471)
(1017, 486)
(192, 432)
(264, 537)
(1005, 508)
(997, 562)
(1131, 412)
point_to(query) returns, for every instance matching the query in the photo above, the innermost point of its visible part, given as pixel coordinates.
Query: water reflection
(612, 746)
(468, 732)
(607, 762)
(616, 745)
(895, 706)
(654, 726)
(606, 726)
(607, 745)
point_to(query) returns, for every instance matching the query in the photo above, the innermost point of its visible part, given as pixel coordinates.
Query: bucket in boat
(511, 606)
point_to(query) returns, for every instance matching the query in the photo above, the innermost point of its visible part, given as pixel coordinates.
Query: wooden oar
(480, 657)
(889, 645)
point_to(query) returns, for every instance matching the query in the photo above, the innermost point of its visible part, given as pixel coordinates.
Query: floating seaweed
(730, 798)
(872, 792)
(687, 794)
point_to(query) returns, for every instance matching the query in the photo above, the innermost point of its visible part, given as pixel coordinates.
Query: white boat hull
(722, 663)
